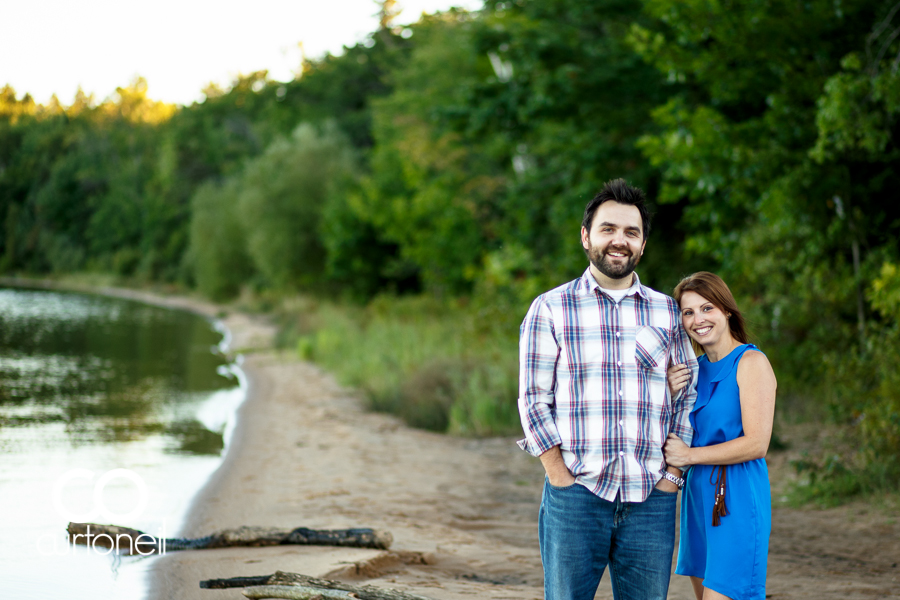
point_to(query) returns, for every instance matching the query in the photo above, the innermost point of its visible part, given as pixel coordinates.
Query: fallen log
(235, 582)
(296, 592)
(282, 579)
(133, 541)
(123, 539)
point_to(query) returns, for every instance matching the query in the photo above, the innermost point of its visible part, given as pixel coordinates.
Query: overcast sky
(179, 46)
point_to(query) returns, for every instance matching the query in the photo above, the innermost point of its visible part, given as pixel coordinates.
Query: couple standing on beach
(619, 431)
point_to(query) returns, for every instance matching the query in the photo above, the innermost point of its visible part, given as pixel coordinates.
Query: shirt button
(620, 392)
(618, 334)
(621, 453)
(622, 422)
(619, 363)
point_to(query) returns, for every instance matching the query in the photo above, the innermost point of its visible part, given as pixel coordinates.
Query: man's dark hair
(619, 191)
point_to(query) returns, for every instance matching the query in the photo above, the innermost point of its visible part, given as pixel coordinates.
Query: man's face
(615, 242)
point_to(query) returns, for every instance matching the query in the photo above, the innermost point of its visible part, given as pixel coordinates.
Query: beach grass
(439, 364)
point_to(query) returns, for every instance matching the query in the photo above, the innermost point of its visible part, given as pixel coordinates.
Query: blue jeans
(581, 533)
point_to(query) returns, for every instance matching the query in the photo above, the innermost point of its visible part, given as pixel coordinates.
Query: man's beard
(602, 263)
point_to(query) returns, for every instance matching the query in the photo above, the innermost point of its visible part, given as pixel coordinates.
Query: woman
(726, 511)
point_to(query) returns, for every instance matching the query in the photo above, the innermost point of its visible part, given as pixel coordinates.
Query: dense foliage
(452, 159)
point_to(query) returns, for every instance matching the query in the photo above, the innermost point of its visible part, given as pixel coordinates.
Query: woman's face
(703, 320)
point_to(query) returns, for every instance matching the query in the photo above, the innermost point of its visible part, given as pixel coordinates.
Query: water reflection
(96, 385)
(110, 370)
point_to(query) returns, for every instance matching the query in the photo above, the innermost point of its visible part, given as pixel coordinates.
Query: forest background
(397, 207)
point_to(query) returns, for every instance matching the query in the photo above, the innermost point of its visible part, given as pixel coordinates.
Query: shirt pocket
(651, 346)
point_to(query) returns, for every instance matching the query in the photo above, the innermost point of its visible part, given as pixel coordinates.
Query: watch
(679, 481)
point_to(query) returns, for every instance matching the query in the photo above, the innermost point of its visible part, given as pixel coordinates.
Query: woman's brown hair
(711, 287)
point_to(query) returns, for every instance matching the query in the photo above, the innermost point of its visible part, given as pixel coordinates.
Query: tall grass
(438, 364)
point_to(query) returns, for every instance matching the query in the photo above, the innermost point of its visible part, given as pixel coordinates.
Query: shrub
(863, 390)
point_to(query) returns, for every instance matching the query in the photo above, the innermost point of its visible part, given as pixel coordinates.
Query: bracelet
(679, 481)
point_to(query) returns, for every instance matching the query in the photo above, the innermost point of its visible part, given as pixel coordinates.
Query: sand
(463, 512)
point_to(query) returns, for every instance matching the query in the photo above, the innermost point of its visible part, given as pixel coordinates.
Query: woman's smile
(705, 322)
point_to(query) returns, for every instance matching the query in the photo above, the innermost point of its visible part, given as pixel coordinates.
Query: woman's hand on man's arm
(757, 385)
(677, 376)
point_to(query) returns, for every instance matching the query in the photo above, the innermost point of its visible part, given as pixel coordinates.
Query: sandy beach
(462, 512)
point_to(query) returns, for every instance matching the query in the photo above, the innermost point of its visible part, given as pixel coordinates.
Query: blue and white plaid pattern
(592, 380)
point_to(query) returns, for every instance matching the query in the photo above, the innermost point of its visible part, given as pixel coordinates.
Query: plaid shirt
(592, 380)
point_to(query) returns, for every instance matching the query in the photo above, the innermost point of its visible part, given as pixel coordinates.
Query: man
(595, 408)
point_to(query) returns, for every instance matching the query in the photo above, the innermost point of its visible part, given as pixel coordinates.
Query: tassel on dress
(719, 509)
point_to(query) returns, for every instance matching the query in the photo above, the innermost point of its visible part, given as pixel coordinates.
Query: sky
(178, 46)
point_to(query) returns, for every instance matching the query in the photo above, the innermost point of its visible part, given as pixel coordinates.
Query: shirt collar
(590, 285)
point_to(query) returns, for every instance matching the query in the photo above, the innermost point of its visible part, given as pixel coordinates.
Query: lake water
(111, 411)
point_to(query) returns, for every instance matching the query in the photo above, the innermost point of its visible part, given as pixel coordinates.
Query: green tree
(780, 144)
(734, 145)
(563, 106)
(217, 251)
(281, 199)
(262, 225)
(429, 195)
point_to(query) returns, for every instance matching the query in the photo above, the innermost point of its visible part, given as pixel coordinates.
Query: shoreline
(305, 452)
(463, 512)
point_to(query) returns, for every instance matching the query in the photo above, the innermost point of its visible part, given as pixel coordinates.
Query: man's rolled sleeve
(683, 402)
(538, 353)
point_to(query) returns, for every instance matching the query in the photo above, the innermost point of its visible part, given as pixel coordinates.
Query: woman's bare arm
(757, 385)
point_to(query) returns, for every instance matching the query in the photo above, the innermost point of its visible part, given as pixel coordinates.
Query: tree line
(453, 158)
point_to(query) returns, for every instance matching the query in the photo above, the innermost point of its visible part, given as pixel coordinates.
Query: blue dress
(730, 558)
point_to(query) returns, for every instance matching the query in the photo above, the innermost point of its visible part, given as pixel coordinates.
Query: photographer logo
(102, 543)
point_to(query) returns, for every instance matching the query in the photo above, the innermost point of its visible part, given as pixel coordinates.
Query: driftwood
(123, 539)
(133, 541)
(294, 583)
(296, 592)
